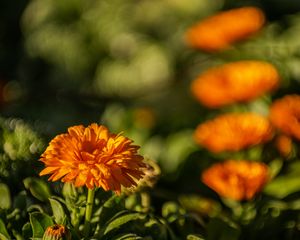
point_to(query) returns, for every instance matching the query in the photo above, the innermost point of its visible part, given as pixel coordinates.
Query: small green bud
(57, 232)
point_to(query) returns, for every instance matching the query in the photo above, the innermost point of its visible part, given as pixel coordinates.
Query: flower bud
(57, 232)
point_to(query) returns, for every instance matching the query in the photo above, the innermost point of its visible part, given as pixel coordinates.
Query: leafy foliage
(125, 64)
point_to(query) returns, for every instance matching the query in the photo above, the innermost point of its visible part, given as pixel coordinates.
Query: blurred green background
(124, 63)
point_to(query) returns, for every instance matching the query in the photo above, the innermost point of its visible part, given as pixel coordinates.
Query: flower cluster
(239, 82)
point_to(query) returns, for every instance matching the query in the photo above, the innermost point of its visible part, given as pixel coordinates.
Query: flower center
(88, 146)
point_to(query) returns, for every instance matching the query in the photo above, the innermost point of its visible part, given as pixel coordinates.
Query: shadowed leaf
(58, 211)
(38, 188)
(39, 223)
(5, 200)
(3, 232)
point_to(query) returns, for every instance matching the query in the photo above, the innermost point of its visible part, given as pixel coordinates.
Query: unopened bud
(57, 232)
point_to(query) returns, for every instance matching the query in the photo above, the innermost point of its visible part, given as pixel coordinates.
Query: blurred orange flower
(284, 145)
(233, 132)
(285, 115)
(236, 179)
(219, 31)
(234, 82)
(93, 156)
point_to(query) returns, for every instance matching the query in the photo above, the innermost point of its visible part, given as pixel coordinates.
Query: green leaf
(38, 188)
(27, 231)
(119, 220)
(20, 201)
(222, 229)
(39, 223)
(5, 200)
(3, 231)
(283, 186)
(275, 167)
(112, 206)
(58, 211)
(194, 237)
(69, 191)
(150, 225)
(35, 208)
(17, 235)
(3, 237)
(128, 236)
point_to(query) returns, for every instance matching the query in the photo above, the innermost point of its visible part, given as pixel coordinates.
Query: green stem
(88, 212)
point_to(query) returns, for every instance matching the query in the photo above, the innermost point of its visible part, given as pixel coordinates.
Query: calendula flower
(284, 145)
(218, 32)
(235, 82)
(285, 115)
(93, 157)
(233, 132)
(236, 179)
(57, 232)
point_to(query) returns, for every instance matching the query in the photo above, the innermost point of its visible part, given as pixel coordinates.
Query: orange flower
(285, 115)
(219, 31)
(235, 82)
(57, 232)
(236, 179)
(284, 145)
(233, 132)
(92, 157)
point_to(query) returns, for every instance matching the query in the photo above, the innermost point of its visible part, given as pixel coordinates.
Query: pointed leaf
(118, 221)
(121, 220)
(194, 237)
(3, 237)
(27, 231)
(3, 231)
(112, 206)
(5, 200)
(128, 236)
(275, 167)
(38, 188)
(39, 223)
(58, 211)
(17, 235)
